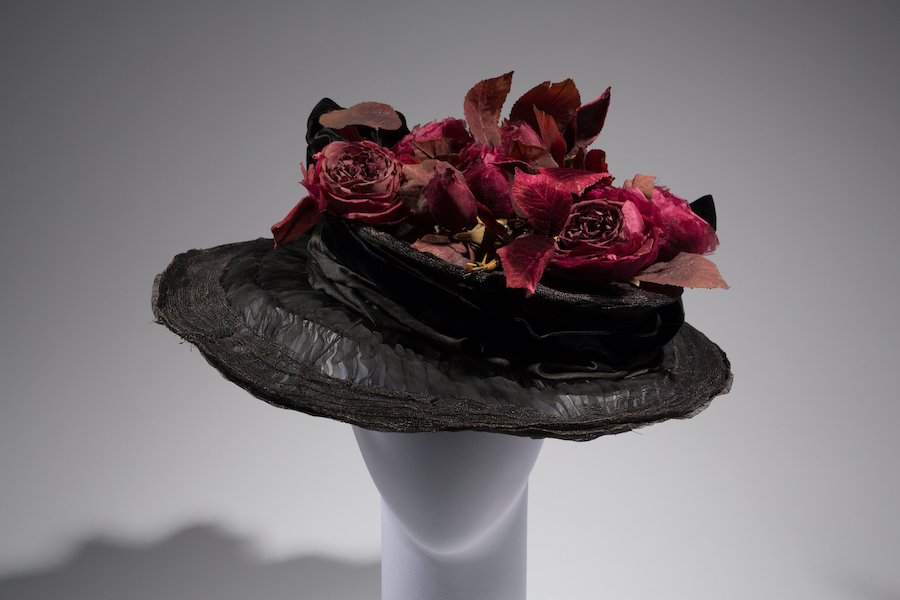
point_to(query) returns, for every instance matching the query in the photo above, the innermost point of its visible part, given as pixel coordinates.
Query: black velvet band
(552, 334)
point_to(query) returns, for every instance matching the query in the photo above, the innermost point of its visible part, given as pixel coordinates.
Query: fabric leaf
(545, 199)
(559, 100)
(444, 248)
(369, 114)
(550, 135)
(595, 160)
(536, 156)
(685, 270)
(542, 201)
(589, 120)
(482, 108)
(524, 261)
(575, 180)
(301, 218)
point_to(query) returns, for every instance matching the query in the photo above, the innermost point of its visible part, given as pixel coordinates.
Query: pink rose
(609, 235)
(683, 230)
(359, 181)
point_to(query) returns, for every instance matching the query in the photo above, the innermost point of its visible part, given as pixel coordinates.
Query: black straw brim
(189, 299)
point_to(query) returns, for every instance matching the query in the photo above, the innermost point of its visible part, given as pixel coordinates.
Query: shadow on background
(198, 563)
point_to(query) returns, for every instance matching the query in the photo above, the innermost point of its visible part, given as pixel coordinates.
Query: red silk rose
(685, 231)
(359, 181)
(490, 186)
(450, 201)
(610, 235)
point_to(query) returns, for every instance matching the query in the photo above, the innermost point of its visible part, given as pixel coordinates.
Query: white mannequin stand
(453, 512)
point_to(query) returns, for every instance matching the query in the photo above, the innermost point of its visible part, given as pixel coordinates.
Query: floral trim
(524, 195)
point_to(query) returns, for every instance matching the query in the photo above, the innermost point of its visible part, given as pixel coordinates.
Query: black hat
(349, 321)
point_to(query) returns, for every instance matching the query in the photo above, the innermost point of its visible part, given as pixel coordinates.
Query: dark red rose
(490, 186)
(610, 235)
(359, 181)
(450, 201)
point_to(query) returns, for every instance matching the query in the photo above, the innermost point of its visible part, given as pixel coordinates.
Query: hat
(346, 319)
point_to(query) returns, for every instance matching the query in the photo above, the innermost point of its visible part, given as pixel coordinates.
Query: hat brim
(266, 348)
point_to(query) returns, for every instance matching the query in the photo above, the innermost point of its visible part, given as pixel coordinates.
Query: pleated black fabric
(617, 329)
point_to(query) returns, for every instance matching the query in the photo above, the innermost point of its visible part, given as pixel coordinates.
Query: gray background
(135, 131)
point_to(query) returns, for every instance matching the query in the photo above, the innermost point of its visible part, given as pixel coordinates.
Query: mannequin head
(468, 478)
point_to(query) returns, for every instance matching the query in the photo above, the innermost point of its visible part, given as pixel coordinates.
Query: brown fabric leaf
(370, 114)
(685, 270)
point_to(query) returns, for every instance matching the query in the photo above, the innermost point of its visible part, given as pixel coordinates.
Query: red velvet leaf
(574, 180)
(482, 108)
(575, 160)
(510, 166)
(589, 120)
(559, 100)
(525, 259)
(550, 135)
(543, 201)
(370, 114)
(301, 218)
(536, 156)
(685, 270)
(595, 161)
